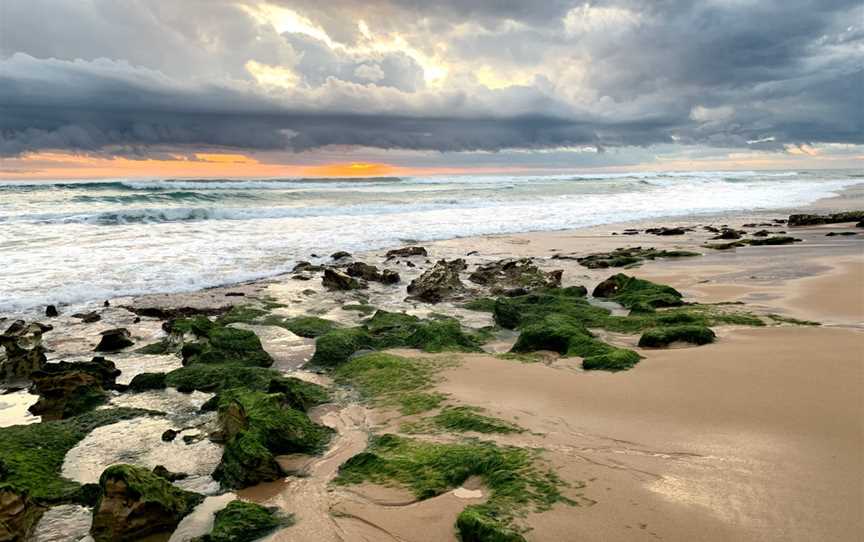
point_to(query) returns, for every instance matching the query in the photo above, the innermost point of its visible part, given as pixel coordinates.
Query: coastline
(756, 436)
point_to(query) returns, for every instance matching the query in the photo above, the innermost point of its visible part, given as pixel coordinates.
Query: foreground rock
(114, 340)
(135, 503)
(510, 275)
(439, 283)
(622, 257)
(23, 351)
(337, 280)
(68, 389)
(243, 521)
(18, 514)
(835, 218)
(372, 273)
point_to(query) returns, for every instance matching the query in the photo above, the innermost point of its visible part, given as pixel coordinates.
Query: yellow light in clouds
(225, 158)
(272, 76)
(354, 169)
(288, 20)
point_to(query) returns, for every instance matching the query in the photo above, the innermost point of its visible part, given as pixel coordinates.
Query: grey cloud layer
(130, 77)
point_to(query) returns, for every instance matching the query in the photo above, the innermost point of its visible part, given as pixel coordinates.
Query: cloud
(154, 77)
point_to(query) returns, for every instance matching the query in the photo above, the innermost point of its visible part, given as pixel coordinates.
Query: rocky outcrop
(18, 515)
(88, 317)
(406, 252)
(23, 352)
(68, 389)
(372, 273)
(135, 503)
(663, 230)
(340, 255)
(51, 311)
(114, 340)
(337, 280)
(147, 381)
(512, 274)
(835, 218)
(729, 234)
(439, 283)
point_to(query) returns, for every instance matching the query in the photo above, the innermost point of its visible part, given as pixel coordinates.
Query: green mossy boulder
(135, 503)
(213, 378)
(337, 346)
(308, 326)
(258, 426)
(637, 294)
(298, 393)
(666, 335)
(148, 381)
(243, 521)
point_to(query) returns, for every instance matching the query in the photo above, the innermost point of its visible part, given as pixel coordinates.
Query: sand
(759, 436)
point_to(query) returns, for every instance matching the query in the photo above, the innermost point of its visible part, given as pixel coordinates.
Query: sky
(245, 88)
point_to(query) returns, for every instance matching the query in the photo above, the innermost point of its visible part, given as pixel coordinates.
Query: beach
(755, 436)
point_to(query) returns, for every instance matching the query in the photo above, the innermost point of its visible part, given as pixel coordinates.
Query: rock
(307, 267)
(114, 340)
(88, 317)
(515, 274)
(439, 283)
(625, 256)
(666, 231)
(135, 503)
(51, 311)
(729, 234)
(172, 313)
(147, 381)
(410, 264)
(106, 303)
(712, 229)
(169, 435)
(136, 320)
(836, 233)
(23, 350)
(337, 280)
(235, 294)
(405, 252)
(19, 514)
(162, 472)
(860, 224)
(69, 389)
(371, 273)
(339, 255)
(761, 233)
(835, 218)
(301, 276)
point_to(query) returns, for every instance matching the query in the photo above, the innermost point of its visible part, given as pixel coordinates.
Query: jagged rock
(761, 233)
(88, 317)
(68, 389)
(24, 352)
(515, 275)
(439, 283)
(371, 273)
(663, 230)
(169, 435)
(136, 503)
(51, 311)
(625, 256)
(114, 340)
(835, 218)
(162, 472)
(18, 515)
(729, 234)
(337, 280)
(405, 252)
(341, 254)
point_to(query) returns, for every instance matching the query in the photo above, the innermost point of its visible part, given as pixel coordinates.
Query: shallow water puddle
(63, 524)
(13, 408)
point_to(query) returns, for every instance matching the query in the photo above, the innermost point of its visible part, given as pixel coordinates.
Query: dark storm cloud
(619, 73)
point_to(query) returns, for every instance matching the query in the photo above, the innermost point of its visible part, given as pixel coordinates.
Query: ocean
(83, 241)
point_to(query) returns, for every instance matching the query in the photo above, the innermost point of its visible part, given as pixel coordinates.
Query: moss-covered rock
(32, 455)
(258, 426)
(666, 335)
(135, 503)
(243, 521)
(625, 256)
(148, 381)
(227, 345)
(215, 377)
(298, 393)
(835, 218)
(308, 326)
(337, 346)
(637, 294)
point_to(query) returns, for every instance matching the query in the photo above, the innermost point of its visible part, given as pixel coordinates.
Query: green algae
(462, 419)
(32, 455)
(395, 330)
(666, 335)
(361, 308)
(215, 377)
(148, 381)
(637, 294)
(243, 521)
(628, 256)
(516, 479)
(259, 426)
